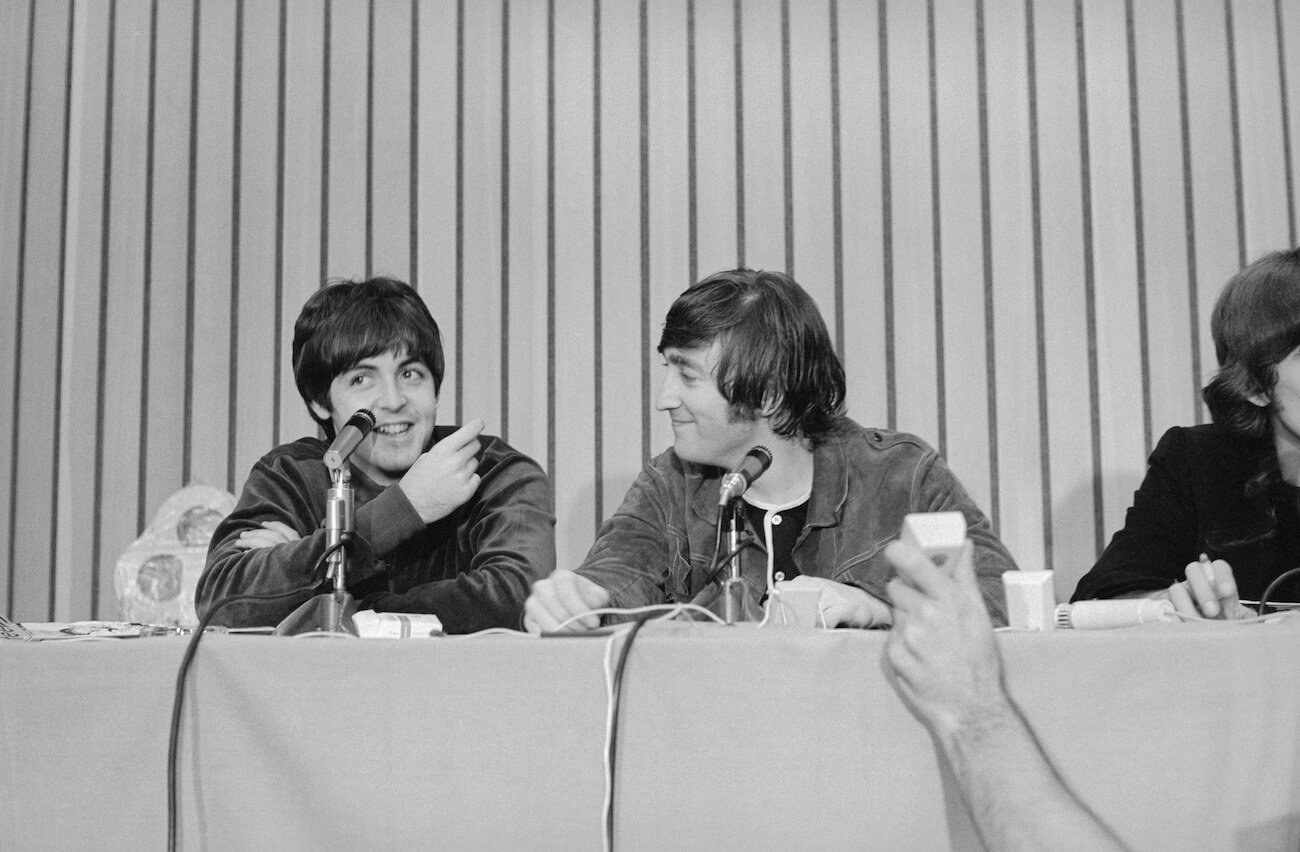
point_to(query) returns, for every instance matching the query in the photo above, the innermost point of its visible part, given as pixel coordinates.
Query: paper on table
(396, 625)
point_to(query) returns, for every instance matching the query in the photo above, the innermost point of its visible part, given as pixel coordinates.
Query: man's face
(706, 428)
(399, 390)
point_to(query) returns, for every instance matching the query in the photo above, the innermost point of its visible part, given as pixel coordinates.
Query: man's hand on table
(560, 597)
(843, 605)
(1210, 591)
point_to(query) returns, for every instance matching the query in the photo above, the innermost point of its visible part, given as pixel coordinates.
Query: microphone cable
(178, 698)
(611, 746)
(1272, 587)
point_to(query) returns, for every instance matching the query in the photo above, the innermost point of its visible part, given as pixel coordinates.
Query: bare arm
(942, 659)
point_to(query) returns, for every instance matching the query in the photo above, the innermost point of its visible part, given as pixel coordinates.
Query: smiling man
(750, 363)
(447, 520)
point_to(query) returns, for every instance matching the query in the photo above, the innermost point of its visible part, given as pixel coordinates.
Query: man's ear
(320, 411)
(1258, 400)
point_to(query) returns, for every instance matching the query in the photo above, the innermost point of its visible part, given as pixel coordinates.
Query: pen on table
(1207, 571)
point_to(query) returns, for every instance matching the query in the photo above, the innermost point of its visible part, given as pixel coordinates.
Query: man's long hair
(1255, 324)
(776, 356)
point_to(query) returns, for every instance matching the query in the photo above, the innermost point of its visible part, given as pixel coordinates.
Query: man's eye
(358, 380)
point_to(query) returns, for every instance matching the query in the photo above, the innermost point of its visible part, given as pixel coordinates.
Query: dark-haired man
(448, 520)
(749, 363)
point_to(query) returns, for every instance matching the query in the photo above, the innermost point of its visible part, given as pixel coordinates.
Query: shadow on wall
(1075, 548)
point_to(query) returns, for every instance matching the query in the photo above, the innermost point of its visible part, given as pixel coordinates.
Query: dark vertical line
(460, 210)
(370, 138)
(1139, 226)
(936, 230)
(787, 144)
(644, 73)
(236, 235)
(281, 86)
(59, 336)
(1189, 208)
(327, 34)
(1235, 112)
(1089, 278)
(187, 437)
(739, 72)
(101, 345)
(550, 244)
(1040, 319)
(1288, 175)
(886, 214)
(692, 174)
(15, 418)
(837, 209)
(986, 260)
(146, 286)
(505, 220)
(415, 151)
(597, 273)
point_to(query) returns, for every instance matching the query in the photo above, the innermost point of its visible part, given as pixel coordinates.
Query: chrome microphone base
(328, 612)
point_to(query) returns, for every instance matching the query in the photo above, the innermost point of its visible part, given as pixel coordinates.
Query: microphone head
(362, 419)
(751, 467)
(764, 458)
(352, 434)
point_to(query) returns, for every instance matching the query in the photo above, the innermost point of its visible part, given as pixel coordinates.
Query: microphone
(348, 438)
(738, 481)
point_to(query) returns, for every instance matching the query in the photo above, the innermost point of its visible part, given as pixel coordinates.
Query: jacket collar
(830, 485)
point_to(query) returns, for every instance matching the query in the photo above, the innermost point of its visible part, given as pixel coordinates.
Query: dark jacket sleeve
(1159, 536)
(941, 491)
(507, 534)
(636, 544)
(281, 488)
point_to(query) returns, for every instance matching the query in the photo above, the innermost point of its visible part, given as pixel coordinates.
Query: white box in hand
(939, 535)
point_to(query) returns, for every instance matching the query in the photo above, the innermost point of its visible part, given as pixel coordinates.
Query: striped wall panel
(1015, 215)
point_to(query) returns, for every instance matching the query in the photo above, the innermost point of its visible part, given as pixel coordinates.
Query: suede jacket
(1194, 500)
(473, 568)
(659, 545)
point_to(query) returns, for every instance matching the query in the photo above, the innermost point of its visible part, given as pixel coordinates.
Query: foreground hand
(559, 597)
(445, 477)
(1210, 591)
(941, 655)
(843, 605)
(269, 534)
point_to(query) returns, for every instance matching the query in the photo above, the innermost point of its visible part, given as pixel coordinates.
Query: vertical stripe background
(1015, 215)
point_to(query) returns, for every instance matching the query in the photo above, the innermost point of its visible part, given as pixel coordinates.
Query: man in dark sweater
(447, 520)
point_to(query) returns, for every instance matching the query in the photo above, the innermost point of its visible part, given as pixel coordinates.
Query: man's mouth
(393, 429)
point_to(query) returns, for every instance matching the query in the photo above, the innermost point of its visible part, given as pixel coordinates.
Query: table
(1181, 736)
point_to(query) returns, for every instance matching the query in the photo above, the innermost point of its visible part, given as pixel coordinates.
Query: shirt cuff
(388, 520)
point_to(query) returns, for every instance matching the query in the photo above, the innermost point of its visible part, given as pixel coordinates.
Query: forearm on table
(266, 571)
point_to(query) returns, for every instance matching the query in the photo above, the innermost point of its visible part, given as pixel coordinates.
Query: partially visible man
(942, 659)
(447, 520)
(750, 363)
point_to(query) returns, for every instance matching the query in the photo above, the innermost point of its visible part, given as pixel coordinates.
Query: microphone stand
(733, 588)
(332, 611)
